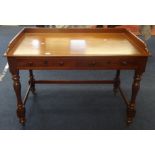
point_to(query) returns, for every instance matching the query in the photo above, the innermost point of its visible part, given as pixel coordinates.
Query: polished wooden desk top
(79, 42)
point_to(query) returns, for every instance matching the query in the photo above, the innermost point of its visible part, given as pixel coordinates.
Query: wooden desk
(76, 49)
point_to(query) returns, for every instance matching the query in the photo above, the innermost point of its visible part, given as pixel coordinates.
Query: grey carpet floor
(76, 107)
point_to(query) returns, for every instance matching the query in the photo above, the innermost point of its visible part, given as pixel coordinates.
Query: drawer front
(78, 63)
(108, 63)
(36, 63)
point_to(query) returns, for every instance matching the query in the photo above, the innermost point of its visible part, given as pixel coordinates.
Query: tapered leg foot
(21, 114)
(131, 114)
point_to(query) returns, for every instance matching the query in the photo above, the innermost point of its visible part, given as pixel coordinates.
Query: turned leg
(32, 81)
(116, 82)
(17, 88)
(131, 110)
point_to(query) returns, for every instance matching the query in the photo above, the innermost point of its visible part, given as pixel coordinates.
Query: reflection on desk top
(75, 44)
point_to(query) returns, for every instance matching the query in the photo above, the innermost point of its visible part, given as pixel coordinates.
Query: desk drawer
(107, 63)
(77, 63)
(34, 63)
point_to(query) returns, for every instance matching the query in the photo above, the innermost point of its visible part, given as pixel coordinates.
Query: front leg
(131, 110)
(17, 88)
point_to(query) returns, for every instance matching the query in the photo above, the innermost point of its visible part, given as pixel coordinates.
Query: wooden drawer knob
(93, 63)
(108, 62)
(45, 62)
(61, 63)
(30, 64)
(124, 63)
